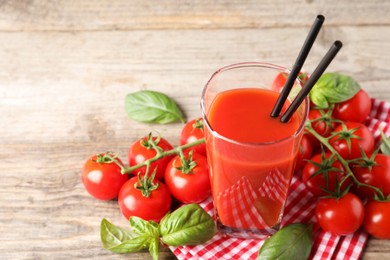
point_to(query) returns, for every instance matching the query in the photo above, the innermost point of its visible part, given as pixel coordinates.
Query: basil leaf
(290, 242)
(188, 225)
(120, 240)
(141, 227)
(112, 235)
(385, 145)
(319, 100)
(333, 88)
(152, 107)
(131, 246)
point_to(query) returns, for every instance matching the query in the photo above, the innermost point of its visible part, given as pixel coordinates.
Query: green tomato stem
(158, 149)
(109, 157)
(161, 154)
(145, 184)
(187, 163)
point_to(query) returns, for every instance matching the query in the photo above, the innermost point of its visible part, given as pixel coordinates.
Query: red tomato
(355, 109)
(324, 171)
(340, 216)
(350, 138)
(377, 219)
(281, 79)
(191, 132)
(102, 177)
(132, 201)
(188, 182)
(304, 153)
(142, 150)
(322, 122)
(376, 173)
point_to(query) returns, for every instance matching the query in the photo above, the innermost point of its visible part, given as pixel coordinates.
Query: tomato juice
(251, 157)
(243, 115)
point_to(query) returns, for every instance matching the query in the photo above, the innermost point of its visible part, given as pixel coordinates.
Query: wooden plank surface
(65, 15)
(66, 66)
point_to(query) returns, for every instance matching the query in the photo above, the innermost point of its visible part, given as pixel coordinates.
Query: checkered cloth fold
(241, 200)
(299, 209)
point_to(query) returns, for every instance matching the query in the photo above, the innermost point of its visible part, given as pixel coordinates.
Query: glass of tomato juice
(251, 154)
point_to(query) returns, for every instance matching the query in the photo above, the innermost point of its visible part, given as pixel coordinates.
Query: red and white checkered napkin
(299, 209)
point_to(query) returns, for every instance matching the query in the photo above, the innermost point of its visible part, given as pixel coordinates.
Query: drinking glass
(249, 180)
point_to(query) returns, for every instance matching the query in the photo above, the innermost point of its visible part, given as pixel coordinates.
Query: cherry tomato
(281, 78)
(188, 178)
(191, 132)
(324, 172)
(102, 177)
(137, 202)
(375, 172)
(377, 219)
(304, 153)
(340, 216)
(279, 81)
(355, 109)
(350, 138)
(322, 122)
(143, 149)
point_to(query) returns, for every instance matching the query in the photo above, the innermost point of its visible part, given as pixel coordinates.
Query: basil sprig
(333, 88)
(188, 225)
(152, 107)
(291, 242)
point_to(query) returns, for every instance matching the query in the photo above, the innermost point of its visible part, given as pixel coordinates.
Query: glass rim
(251, 65)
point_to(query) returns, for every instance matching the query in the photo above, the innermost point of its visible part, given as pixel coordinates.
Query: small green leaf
(319, 100)
(120, 240)
(131, 246)
(291, 242)
(333, 88)
(152, 107)
(188, 225)
(112, 235)
(141, 227)
(385, 145)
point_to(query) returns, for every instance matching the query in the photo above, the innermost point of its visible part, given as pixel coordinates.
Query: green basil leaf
(121, 240)
(333, 88)
(131, 246)
(112, 235)
(319, 100)
(188, 225)
(291, 242)
(152, 107)
(385, 145)
(141, 227)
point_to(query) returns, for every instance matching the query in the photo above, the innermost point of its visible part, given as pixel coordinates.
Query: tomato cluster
(156, 176)
(339, 163)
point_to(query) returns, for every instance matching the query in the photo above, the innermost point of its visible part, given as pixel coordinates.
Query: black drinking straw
(326, 60)
(298, 64)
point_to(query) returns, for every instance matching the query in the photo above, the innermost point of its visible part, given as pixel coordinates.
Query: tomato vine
(346, 163)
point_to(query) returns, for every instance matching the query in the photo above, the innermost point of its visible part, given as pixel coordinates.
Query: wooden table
(66, 66)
